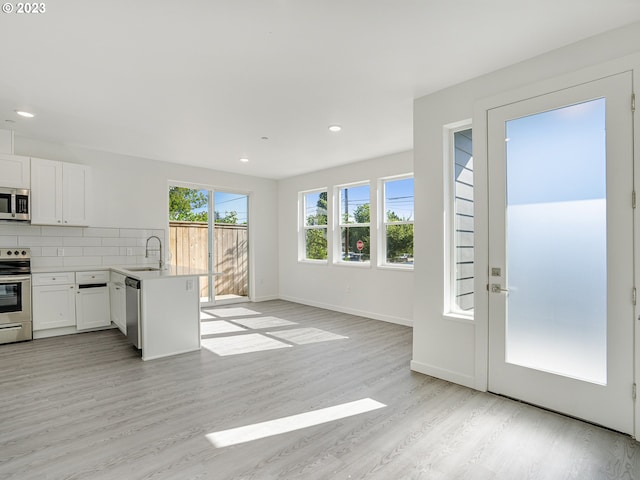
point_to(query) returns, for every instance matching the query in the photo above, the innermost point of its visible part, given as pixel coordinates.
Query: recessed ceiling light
(244, 160)
(335, 128)
(22, 113)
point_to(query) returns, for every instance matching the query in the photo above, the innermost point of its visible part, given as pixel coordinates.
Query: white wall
(132, 193)
(372, 292)
(451, 348)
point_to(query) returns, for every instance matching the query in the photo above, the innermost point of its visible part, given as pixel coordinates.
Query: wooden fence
(188, 244)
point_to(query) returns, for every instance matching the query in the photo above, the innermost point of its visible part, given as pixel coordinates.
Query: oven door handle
(11, 326)
(13, 279)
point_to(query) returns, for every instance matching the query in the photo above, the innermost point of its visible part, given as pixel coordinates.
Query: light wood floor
(86, 407)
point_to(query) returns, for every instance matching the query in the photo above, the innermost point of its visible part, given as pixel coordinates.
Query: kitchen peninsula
(169, 309)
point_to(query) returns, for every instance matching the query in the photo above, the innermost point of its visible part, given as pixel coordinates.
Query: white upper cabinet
(14, 171)
(59, 193)
(75, 182)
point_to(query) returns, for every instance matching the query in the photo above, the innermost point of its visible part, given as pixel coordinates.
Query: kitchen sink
(143, 269)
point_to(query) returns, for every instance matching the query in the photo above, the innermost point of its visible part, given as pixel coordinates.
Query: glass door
(230, 247)
(561, 250)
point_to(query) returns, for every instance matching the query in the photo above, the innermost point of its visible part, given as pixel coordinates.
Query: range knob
(9, 252)
(24, 252)
(16, 252)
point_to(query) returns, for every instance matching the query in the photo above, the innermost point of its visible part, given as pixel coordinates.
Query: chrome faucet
(146, 252)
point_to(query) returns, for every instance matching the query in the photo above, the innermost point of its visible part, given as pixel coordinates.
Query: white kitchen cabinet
(54, 302)
(59, 193)
(118, 299)
(92, 300)
(16, 171)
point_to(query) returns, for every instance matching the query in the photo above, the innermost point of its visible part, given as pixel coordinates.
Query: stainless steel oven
(15, 204)
(15, 295)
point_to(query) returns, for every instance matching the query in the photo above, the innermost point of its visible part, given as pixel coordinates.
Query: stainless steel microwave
(15, 204)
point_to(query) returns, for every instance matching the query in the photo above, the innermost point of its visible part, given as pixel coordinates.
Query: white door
(561, 251)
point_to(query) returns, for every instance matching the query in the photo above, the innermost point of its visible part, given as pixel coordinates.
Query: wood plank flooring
(86, 407)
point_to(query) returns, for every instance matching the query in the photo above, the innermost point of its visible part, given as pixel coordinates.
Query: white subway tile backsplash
(116, 260)
(82, 241)
(62, 231)
(33, 241)
(41, 262)
(81, 261)
(135, 232)
(53, 246)
(48, 251)
(101, 232)
(8, 241)
(102, 251)
(19, 229)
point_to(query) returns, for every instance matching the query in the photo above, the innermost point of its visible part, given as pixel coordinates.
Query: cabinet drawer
(99, 276)
(117, 277)
(55, 278)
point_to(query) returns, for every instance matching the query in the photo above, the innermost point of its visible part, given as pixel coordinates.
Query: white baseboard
(444, 374)
(350, 311)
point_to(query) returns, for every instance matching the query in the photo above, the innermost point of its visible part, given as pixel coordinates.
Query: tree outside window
(398, 219)
(315, 225)
(354, 223)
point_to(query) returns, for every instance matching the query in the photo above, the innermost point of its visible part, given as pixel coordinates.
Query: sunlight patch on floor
(278, 426)
(303, 336)
(237, 344)
(231, 312)
(219, 326)
(257, 323)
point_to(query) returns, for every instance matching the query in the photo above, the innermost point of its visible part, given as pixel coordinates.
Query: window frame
(339, 224)
(303, 227)
(451, 308)
(383, 223)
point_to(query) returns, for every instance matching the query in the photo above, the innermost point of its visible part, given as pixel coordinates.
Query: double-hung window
(354, 223)
(314, 221)
(397, 216)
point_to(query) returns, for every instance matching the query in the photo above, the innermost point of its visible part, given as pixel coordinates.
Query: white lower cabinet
(92, 300)
(62, 299)
(118, 299)
(54, 306)
(92, 308)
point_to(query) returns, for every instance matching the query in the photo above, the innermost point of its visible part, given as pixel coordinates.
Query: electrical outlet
(348, 289)
(129, 251)
(189, 285)
(61, 252)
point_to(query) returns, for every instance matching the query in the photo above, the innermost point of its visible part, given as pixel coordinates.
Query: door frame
(480, 151)
(249, 195)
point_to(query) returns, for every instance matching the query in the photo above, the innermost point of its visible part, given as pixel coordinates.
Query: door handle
(497, 288)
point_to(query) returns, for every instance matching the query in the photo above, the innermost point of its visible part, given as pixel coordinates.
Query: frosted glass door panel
(557, 242)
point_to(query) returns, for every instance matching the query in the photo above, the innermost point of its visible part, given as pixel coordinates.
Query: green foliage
(399, 239)
(316, 243)
(320, 217)
(229, 217)
(183, 202)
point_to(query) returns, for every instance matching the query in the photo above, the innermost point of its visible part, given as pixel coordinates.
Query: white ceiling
(201, 81)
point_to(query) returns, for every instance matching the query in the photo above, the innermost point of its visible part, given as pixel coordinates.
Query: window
(314, 216)
(396, 239)
(461, 222)
(354, 223)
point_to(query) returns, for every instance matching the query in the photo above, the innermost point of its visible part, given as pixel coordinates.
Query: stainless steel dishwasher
(133, 311)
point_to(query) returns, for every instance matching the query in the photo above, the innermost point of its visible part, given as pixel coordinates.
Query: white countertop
(130, 271)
